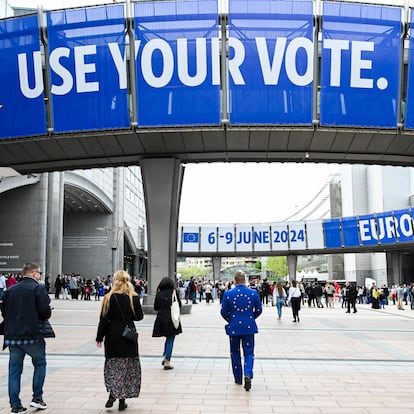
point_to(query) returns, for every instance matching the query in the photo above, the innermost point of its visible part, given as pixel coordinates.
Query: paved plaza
(331, 362)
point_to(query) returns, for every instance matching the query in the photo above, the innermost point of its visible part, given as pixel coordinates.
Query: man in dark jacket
(351, 295)
(25, 305)
(240, 307)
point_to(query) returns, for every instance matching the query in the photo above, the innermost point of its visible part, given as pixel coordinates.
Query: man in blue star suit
(240, 307)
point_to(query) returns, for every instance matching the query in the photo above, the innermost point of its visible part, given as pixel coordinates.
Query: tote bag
(175, 310)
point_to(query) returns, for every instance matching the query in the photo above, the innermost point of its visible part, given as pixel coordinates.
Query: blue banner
(178, 63)
(332, 230)
(270, 62)
(22, 107)
(361, 62)
(350, 231)
(404, 225)
(88, 68)
(409, 112)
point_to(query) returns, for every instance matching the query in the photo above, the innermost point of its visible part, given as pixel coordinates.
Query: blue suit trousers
(247, 342)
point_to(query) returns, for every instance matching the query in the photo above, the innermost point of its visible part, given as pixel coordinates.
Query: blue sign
(350, 231)
(361, 62)
(22, 108)
(190, 237)
(404, 225)
(409, 113)
(332, 230)
(178, 63)
(270, 62)
(88, 68)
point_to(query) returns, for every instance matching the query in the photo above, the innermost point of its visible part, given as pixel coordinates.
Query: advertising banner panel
(88, 68)
(350, 231)
(361, 61)
(261, 238)
(270, 67)
(314, 234)
(332, 230)
(297, 235)
(280, 236)
(22, 108)
(409, 110)
(404, 225)
(368, 230)
(208, 239)
(178, 63)
(191, 239)
(244, 238)
(226, 239)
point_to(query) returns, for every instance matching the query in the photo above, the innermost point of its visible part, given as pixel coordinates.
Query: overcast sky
(249, 192)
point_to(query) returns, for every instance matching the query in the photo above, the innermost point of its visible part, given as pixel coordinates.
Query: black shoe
(347, 312)
(238, 382)
(110, 401)
(294, 320)
(355, 311)
(122, 405)
(20, 410)
(247, 383)
(298, 319)
(39, 404)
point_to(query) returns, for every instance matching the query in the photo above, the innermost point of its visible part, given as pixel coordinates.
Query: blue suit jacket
(240, 307)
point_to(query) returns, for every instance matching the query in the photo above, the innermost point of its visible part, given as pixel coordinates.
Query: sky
(249, 192)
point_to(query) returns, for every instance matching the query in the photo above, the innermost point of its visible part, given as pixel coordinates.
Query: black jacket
(112, 325)
(163, 325)
(24, 305)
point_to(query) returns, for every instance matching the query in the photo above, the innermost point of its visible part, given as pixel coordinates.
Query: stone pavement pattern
(331, 362)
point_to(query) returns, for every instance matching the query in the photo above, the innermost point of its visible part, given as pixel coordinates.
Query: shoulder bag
(175, 310)
(128, 333)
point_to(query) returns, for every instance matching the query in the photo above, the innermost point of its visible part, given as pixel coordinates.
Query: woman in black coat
(122, 371)
(163, 325)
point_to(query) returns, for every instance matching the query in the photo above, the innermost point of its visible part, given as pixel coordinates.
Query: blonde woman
(122, 371)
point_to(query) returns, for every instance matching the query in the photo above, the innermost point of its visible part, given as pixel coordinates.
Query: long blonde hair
(122, 285)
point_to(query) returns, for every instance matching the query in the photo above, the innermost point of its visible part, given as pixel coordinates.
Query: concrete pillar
(162, 180)
(216, 268)
(42, 220)
(118, 228)
(54, 230)
(396, 268)
(292, 262)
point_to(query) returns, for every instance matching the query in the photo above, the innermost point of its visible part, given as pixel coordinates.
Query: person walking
(240, 307)
(58, 286)
(294, 300)
(122, 371)
(279, 296)
(25, 306)
(163, 324)
(351, 295)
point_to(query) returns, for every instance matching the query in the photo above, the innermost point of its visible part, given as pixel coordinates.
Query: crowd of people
(241, 302)
(313, 294)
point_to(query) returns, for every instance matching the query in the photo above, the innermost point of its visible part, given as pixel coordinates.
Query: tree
(277, 266)
(258, 265)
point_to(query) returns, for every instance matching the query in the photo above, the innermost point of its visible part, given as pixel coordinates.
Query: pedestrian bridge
(318, 81)
(384, 231)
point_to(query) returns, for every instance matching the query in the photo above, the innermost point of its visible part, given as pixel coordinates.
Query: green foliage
(258, 265)
(277, 266)
(195, 271)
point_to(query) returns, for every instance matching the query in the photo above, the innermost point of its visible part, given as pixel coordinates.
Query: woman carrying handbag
(163, 325)
(122, 371)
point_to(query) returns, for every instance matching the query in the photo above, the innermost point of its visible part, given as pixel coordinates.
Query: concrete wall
(86, 250)
(23, 226)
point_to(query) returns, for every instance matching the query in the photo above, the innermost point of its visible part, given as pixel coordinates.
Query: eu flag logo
(190, 237)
